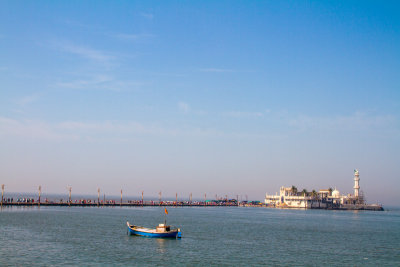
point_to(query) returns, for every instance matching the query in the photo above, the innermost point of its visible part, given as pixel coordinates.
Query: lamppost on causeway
(2, 194)
(40, 192)
(98, 197)
(69, 199)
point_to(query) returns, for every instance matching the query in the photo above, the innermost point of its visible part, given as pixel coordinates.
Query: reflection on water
(161, 245)
(19, 208)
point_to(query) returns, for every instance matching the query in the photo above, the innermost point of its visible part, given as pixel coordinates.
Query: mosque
(289, 197)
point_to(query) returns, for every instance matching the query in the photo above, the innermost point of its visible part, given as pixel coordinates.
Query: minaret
(356, 183)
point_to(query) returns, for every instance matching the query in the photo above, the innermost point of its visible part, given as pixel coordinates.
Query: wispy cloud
(78, 24)
(133, 37)
(94, 81)
(27, 100)
(358, 121)
(184, 107)
(127, 130)
(83, 51)
(75, 130)
(31, 129)
(243, 114)
(102, 82)
(104, 32)
(87, 52)
(103, 130)
(102, 127)
(149, 16)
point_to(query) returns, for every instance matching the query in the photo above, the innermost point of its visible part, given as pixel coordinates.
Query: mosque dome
(335, 193)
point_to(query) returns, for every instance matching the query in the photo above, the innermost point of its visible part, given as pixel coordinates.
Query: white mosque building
(288, 197)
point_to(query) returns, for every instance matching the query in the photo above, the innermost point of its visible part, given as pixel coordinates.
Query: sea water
(212, 236)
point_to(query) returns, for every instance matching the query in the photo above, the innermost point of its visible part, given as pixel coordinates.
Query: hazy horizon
(216, 97)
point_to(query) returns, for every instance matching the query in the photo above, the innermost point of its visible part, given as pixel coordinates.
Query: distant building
(288, 197)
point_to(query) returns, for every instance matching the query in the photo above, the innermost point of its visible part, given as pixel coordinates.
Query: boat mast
(165, 218)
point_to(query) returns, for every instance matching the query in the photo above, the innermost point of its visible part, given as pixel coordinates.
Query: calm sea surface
(217, 236)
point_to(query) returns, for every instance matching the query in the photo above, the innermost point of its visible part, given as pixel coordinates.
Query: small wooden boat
(161, 231)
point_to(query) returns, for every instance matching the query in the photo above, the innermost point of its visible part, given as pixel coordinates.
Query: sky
(203, 97)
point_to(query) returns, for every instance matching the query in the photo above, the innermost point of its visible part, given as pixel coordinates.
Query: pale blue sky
(216, 97)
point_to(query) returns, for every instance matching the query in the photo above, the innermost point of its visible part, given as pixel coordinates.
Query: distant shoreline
(179, 204)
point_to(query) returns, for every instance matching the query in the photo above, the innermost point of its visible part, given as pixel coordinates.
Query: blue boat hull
(173, 234)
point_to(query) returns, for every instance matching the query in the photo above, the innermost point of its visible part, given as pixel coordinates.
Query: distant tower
(356, 183)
